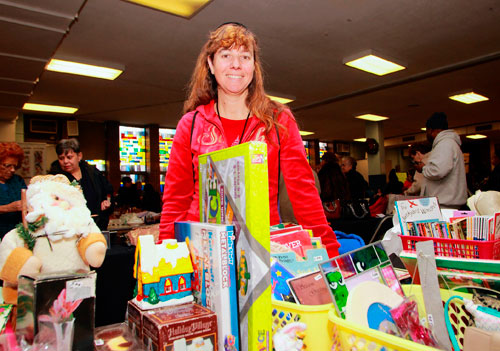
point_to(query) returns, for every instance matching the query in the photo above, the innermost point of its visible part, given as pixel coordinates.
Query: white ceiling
(448, 46)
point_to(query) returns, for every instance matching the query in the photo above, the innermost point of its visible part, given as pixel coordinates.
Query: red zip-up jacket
(181, 198)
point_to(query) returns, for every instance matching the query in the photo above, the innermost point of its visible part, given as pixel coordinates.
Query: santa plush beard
(65, 208)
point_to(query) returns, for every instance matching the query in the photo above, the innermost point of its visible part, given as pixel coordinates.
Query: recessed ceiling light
(468, 97)
(303, 132)
(183, 8)
(283, 100)
(372, 62)
(49, 108)
(370, 117)
(362, 140)
(476, 136)
(83, 69)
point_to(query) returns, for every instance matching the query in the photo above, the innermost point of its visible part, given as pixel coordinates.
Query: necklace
(244, 126)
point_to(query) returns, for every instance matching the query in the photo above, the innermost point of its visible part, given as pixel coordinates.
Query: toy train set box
(234, 189)
(181, 327)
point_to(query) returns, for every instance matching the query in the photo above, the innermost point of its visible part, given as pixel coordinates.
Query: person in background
(418, 154)
(127, 194)
(493, 182)
(151, 199)
(357, 184)
(11, 156)
(394, 185)
(444, 170)
(96, 188)
(140, 189)
(410, 177)
(231, 107)
(332, 181)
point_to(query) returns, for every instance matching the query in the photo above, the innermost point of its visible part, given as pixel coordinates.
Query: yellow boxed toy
(234, 190)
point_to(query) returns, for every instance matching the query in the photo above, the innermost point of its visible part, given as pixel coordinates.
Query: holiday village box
(234, 190)
(186, 326)
(58, 306)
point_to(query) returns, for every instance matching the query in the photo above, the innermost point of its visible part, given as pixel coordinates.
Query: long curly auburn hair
(203, 86)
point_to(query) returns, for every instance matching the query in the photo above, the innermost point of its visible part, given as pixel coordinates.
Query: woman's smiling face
(233, 69)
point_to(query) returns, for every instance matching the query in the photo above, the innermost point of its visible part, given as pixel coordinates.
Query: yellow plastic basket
(352, 336)
(318, 336)
(326, 331)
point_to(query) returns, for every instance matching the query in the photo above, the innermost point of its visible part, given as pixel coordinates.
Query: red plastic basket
(487, 250)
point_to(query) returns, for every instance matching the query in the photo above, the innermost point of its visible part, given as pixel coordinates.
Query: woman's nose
(235, 62)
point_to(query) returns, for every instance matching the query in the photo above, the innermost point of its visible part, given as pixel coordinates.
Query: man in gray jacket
(444, 170)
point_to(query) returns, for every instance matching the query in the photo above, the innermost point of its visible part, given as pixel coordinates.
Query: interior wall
(7, 130)
(92, 137)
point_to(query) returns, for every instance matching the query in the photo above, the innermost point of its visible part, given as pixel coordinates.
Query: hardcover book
(412, 210)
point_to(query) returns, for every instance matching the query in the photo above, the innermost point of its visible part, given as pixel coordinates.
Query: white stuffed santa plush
(61, 235)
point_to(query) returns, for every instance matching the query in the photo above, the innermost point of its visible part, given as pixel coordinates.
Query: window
(323, 147)
(132, 149)
(99, 164)
(168, 286)
(166, 139)
(306, 146)
(182, 283)
(165, 144)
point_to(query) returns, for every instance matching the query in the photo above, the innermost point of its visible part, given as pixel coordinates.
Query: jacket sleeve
(440, 162)
(179, 181)
(300, 184)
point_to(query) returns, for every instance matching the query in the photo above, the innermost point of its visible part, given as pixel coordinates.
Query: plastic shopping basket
(352, 336)
(319, 330)
(456, 248)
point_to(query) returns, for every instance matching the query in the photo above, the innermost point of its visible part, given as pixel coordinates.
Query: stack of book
(423, 218)
(484, 228)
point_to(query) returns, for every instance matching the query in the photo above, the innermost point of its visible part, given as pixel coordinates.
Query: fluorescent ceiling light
(303, 132)
(469, 97)
(282, 100)
(370, 117)
(83, 69)
(49, 108)
(183, 8)
(362, 140)
(476, 136)
(370, 62)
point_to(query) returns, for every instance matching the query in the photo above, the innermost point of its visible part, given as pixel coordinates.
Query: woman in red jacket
(231, 107)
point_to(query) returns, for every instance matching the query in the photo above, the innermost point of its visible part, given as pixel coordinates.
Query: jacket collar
(208, 112)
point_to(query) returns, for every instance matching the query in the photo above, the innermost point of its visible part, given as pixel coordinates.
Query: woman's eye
(56, 198)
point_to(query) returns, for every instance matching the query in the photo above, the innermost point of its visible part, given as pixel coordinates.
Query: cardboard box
(187, 323)
(134, 319)
(214, 284)
(234, 189)
(37, 295)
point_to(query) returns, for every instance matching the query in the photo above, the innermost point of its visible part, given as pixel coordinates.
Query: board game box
(234, 189)
(214, 283)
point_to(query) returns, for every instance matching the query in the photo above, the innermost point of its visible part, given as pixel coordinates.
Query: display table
(115, 285)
